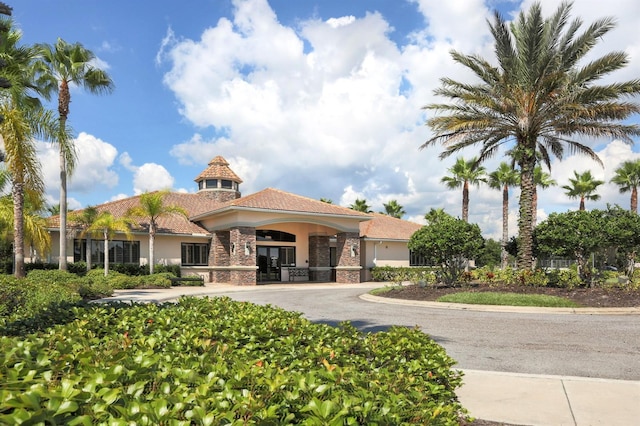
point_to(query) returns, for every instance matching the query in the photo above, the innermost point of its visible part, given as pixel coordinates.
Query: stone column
(319, 262)
(219, 257)
(243, 255)
(348, 257)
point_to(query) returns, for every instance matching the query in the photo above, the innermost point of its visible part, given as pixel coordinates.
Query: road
(601, 346)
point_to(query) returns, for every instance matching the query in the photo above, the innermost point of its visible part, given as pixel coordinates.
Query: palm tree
(583, 186)
(464, 173)
(152, 207)
(106, 226)
(24, 119)
(628, 179)
(326, 200)
(536, 99)
(361, 206)
(84, 219)
(543, 180)
(503, 178)
(61, 65)
(393, 209)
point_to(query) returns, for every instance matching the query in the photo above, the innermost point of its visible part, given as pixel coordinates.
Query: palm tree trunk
(62, 265)
(152, 234)
(465, 201)
(18, 229)
(505, 227)
(106, 253)
(581, 203)
(634, 199)
(88, 253)
(534, 210)
(525, 221)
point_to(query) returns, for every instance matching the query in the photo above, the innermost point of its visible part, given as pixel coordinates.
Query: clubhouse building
(269, 236)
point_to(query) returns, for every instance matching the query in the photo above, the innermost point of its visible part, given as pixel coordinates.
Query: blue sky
(317, 97)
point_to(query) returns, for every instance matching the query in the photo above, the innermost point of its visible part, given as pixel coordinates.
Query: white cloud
(151, 177)
(94, 168)
(332, 108)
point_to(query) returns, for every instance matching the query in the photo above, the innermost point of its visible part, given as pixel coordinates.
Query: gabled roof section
(276, 200)
(194, 204)
(218, 169)
(385, 227)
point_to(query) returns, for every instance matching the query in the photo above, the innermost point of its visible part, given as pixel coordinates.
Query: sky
(321, 98)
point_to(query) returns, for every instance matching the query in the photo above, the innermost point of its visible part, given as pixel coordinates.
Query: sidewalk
(519, 399)
(523, 399)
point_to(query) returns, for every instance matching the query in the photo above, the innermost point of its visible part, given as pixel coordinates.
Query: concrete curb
(509, 309)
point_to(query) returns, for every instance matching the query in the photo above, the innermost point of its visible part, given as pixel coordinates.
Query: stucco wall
(384, 253)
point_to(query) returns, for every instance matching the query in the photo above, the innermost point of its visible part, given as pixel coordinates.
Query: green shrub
(160, 280)
(12, 294)
(400, 274)
(174, 269)
(564, 278)
(215, 361)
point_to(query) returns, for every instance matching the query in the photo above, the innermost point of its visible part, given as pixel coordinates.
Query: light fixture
(247, 248)
(233, 248)
(353, 250)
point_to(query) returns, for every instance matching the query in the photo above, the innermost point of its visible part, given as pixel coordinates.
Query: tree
(490, 254)
(152, 207)
(622, 234)
(105, 226)
(361, 206)
(543, 180)
(464, 173)
(434, 215)
(627, 177)
(393, 209)
(583, 186)
(84, 219)
(503, 178)
(448, 243)
(535, 100)
(24, 120)
(326, 200)
(34, 226)
(60, 66)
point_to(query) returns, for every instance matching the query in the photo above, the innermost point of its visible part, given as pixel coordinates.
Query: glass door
(268, 260)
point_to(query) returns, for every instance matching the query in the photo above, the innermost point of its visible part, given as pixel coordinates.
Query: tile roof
(277, 200)
(385, 227)
(218, 169)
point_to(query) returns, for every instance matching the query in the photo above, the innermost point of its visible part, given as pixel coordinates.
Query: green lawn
(509, 299)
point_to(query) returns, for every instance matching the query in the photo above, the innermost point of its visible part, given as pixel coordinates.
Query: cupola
(218, 181)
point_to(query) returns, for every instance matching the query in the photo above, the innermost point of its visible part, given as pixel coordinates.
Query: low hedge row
(215, 361)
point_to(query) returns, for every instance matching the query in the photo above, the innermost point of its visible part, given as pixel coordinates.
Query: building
(268, 236)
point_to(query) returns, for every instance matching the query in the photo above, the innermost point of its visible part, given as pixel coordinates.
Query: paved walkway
(520, 399)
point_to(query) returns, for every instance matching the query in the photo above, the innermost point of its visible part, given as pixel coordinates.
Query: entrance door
(268, 259)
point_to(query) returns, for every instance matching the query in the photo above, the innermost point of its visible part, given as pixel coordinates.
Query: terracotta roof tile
(218, 169)
(386, 227)
(275, 199)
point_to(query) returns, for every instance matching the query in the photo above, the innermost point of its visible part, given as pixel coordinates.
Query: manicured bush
(564, 278)
(400, 274)
(215, 361)
(160, 280)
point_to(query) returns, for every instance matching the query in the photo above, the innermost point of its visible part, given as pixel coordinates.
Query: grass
(382, 290)
(509, 299)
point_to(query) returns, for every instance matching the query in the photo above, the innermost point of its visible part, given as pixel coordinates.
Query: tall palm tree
(393, 209)
(107, 226)
(24, 119)
(463, 174)
(503, 178)
(627, 177)
(361, 206)
(543, 180)
(153, 207)
(583, 186)
(536, 99)
(84, 219)
(60, 66)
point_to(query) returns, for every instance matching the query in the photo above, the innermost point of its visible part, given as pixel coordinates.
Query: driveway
(601, 346)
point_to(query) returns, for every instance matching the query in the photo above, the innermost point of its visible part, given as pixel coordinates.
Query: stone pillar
(243, 255)
(319, 262)
(348, 257)
(219, 257)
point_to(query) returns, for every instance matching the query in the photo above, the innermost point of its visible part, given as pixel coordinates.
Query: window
(227, 184)
(212, 183)
(119, 251)
(195, 254)
(417, 260)
(288, 256)
(269, 235)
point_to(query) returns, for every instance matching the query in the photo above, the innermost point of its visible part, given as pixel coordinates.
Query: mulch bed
(585, 297)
